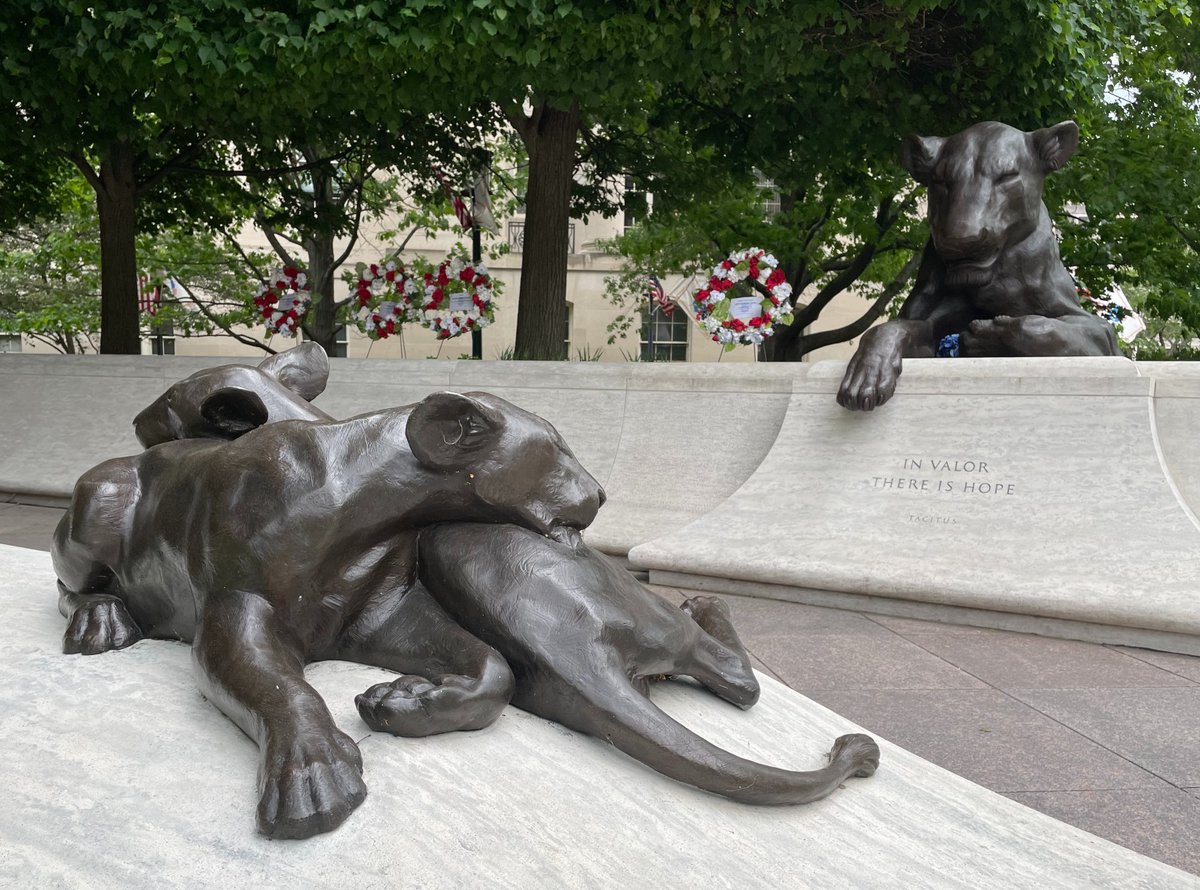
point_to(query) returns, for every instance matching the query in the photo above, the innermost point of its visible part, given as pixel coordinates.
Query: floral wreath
(387, 297)
(713, 302)
(284, 300)
(458, 297)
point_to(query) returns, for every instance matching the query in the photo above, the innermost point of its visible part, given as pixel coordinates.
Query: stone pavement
(1102, 737)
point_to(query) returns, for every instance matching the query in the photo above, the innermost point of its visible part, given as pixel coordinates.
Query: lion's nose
(602, 496)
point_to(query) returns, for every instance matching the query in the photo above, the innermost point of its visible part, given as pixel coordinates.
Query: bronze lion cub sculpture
(297, 542)
(584, 639)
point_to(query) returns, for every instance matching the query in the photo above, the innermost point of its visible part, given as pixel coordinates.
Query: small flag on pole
(481, 202)
(659, 296)
(461, 211)
(150, 291)
(149, 294)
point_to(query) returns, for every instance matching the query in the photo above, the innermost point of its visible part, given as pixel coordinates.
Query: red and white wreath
(387, 297)
(459, 297)
(284, 300)
(733, 315)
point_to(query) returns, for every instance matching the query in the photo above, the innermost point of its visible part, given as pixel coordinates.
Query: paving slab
(117, 773)
(1161, 822)
(22, 525)
(987, 736)
(906, 627)
(835, 661)
(1158, 728)
(1008, 660)
(1184, 665)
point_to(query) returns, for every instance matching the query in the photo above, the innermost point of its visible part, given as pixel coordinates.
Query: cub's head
(225, 402)
(985, 189)
(517, 465)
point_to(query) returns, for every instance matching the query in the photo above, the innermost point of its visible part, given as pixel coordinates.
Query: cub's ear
(232, 412)
(304, 369)
(1055, 145)
(156, 424)
(918, 154)
(447, 430)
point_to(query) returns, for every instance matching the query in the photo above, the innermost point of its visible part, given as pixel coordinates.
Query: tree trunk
(116, 205)
(549, 138)
(321, 325)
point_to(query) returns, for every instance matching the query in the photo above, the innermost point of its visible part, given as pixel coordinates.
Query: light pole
(476, 257)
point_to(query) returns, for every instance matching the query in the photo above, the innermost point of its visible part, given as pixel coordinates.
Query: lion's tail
(629, 721)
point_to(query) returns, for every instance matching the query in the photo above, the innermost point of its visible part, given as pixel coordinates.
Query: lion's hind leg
(719, 660)
(449, 680)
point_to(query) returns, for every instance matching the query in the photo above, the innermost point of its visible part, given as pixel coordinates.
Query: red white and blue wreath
(284, 300)
(387, 296)
(732, 311)
(459, 297)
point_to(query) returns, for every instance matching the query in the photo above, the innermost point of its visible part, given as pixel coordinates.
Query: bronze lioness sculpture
(991, 270)
(297, 542)
(584, 639)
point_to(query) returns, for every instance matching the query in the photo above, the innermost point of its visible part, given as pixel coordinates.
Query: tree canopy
(199, 113)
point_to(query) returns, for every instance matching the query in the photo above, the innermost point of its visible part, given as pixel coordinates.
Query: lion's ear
(447, 430)
(232, 412)
(918, 155)
(1055, 145)
(304, 369)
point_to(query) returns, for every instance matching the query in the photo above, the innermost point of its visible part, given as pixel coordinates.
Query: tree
(555, 71)
(311, 199)
(830, 235)
(1130, 201)
(824, 122)
(135, 94)
(50, 276)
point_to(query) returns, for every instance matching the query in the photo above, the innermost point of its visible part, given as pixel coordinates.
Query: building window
(516, 237)
(636, 203)
(10, 342)
(664, 338)
(769, 200)
(162, 338)
(340, 342)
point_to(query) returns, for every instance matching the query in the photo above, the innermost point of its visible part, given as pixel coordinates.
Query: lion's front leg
(310, 772)
(449, 680)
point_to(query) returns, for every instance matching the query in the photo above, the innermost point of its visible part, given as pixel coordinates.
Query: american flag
(149, 294)
(659, 296)
(461, 211)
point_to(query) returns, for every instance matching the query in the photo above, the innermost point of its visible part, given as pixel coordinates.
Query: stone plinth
(1047, 495)
(116, 773)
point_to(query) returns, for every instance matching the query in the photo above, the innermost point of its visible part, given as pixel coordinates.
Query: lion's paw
(309, 783)
(101, 624)
(414, 707)
(858, 752)
(870, 380)
(700, 608)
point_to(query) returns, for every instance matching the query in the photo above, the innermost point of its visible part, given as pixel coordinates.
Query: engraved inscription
(941, 475)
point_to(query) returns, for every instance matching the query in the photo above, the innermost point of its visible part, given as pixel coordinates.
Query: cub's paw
(309, 782)
(99, 625)
(858, 752)
(414, 707)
